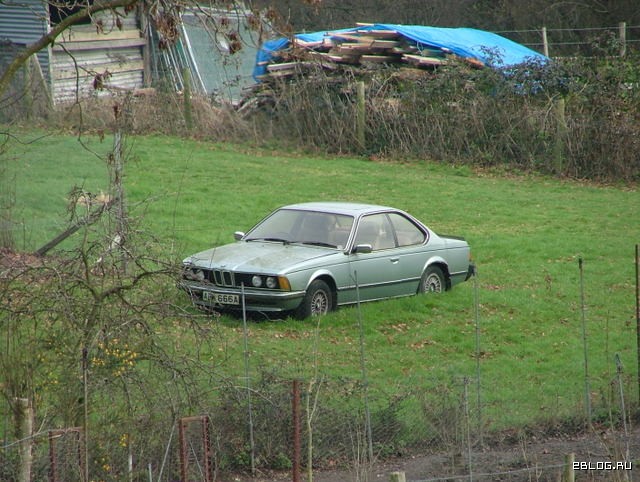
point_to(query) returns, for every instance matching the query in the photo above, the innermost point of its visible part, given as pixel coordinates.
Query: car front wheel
(317, 301)
(432, 281)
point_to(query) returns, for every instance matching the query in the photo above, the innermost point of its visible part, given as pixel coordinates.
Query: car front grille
(220, 277)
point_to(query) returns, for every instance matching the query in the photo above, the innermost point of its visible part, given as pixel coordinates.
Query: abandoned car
(310, 258)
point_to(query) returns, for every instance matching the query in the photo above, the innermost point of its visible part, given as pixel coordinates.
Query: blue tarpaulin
(489, 48)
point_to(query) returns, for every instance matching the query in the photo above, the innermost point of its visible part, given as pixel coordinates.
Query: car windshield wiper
(278, 240)
(318, 243)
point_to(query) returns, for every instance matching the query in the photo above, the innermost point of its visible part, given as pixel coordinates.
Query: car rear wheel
(317, 301)
(432, 281)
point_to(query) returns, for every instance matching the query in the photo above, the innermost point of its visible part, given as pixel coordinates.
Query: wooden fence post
(27, 90)
(397, 477)
(360, 115)
(569, 474)
(561, 136)
(622, 28)
(545, 42)
(186, 99)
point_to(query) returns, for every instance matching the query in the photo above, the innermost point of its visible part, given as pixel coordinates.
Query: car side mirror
(362, 249)
(238, 235)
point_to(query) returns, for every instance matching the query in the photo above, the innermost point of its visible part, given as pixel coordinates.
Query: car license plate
(220, 298)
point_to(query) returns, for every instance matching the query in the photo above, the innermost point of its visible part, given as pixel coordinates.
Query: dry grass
(147, 111)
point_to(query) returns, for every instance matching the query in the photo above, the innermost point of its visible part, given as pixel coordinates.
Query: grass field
(526, 233)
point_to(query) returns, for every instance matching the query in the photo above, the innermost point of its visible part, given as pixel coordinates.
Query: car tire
(432, 281)
(317, 301)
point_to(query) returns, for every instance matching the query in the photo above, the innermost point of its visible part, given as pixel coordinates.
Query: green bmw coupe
(310, 258)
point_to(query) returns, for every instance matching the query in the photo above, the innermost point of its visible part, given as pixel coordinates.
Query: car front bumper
(204, 295)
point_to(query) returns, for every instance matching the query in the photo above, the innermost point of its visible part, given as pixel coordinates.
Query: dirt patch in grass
(530, 458)
(12, 260)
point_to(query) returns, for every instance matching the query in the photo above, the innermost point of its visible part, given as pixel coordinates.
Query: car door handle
(394, 260)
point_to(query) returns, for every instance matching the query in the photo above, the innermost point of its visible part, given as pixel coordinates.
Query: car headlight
(256, 281)
(191, 273)
(272, 282)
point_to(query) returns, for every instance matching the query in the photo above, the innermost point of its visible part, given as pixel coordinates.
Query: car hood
(259, 257)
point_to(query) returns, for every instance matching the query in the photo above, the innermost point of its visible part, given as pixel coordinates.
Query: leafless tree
(85, 340)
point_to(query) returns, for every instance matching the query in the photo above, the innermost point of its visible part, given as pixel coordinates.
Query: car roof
(348, 208)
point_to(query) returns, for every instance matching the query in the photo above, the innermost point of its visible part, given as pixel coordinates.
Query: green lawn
(526, 234)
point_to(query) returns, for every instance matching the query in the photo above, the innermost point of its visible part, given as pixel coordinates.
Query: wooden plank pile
(358, 47)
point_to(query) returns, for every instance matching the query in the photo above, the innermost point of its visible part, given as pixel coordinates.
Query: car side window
(375, 230)
(407, 233)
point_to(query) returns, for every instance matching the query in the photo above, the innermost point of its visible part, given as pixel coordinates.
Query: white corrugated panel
(24, 22)
(222, 72)
(124, 65)
(66, 91)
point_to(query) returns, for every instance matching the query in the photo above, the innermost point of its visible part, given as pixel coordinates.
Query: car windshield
(306, 227)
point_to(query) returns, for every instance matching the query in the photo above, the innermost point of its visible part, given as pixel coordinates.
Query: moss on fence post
(397, 477)
(569, 474)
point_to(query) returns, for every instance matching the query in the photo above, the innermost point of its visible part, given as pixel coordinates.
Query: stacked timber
(358, 47)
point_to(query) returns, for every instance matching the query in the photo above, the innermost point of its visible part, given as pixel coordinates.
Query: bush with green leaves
(573, 118)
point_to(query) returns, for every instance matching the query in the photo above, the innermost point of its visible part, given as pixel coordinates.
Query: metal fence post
(637, 261)
(295, 407)
(587, 389)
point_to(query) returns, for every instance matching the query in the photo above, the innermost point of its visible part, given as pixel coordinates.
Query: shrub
(574, 117)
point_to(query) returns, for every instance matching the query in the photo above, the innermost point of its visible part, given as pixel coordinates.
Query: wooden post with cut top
(397, 477)
(569, 474)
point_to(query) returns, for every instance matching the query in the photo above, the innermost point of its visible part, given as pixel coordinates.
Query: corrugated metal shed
(25, 22)
(81, 54)
(217, 45)
(224, 69)
(22, 24)
(114, 50)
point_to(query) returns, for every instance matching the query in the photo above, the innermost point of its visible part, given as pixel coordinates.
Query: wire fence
(248, 424)
(332, 432)
(276, 418)
(581, 41)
